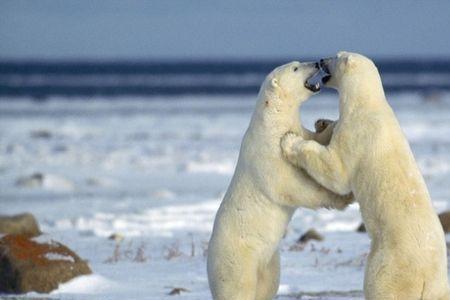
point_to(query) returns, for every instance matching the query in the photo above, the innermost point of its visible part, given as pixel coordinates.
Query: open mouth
(313, 83)
(313, 87)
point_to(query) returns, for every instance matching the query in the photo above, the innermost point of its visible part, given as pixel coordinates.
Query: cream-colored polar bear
(243, 257)
(369, 156)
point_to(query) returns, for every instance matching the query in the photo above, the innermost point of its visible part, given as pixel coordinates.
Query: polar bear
(369, 156)
(243, 258)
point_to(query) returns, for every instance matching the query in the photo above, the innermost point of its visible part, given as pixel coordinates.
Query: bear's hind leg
(436, 289)
(446, 297)
(269, 279)
(386, 280)
(236, 280)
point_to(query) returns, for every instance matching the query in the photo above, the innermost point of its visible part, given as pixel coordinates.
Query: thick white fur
(369, 156)
(243, 257)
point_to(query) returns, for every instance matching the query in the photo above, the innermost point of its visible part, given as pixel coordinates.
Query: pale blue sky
(164, 29)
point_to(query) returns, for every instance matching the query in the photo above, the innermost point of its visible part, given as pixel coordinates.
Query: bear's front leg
(320, 162)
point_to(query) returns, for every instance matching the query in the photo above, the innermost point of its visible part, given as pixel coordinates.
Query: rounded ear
(350, 61)
(274, 83)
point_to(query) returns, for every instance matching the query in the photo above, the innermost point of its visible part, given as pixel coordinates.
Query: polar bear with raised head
(243, 257)
(369, 156)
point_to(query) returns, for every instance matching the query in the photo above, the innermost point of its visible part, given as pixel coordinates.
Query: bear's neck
(275, 120)
(355, 94)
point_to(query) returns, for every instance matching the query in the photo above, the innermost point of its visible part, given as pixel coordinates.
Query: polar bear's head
(289, 83)
(347, 68)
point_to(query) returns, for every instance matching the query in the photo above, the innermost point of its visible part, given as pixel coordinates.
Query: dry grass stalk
(173, 251)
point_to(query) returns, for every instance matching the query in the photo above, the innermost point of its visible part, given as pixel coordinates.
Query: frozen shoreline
(155, 172)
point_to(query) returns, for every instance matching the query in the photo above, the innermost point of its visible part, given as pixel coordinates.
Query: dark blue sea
(41, 79)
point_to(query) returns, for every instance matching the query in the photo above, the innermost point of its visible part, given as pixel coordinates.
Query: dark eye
(295, 69)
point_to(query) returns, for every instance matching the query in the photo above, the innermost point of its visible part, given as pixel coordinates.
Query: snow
(90, 284)
(57, 256)
(154, 171)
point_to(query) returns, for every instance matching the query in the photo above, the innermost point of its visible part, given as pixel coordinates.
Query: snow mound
(89, 284)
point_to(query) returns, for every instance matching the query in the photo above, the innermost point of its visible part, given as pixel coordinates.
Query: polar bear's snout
(311, 82)
(325, 66)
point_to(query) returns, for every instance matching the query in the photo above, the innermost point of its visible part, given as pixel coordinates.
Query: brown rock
(24, 224)
(41, 134)
(311, 234)
(26, 265)
(177, 291)
(31, 181)
(361, 228)
(445, 221)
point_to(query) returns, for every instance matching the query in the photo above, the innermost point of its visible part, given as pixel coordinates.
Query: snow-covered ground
(153, 172)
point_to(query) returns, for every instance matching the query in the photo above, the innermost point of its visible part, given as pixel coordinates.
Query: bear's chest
(269, 164)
